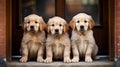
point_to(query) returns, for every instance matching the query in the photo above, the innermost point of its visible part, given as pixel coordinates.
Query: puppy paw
(75, 59)
(23, 59)
(48, 60)
(88, 59)
(67, 60)
(40, 59)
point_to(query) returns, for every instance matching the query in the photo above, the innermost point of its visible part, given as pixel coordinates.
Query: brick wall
(117, 27)
(2, 28)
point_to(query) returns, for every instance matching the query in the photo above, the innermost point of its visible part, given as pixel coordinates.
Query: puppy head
(57, 25)
(33, 23)
(82, 22)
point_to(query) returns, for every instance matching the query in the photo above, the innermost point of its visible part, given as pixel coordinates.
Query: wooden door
(49, 8)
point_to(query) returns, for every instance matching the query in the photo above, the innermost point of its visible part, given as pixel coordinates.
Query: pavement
(61, 64)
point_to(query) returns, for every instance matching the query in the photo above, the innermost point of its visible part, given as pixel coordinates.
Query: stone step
(61, 64)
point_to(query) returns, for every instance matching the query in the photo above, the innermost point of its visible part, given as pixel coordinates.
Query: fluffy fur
(58, 42)
(83, 42)
(33, 40)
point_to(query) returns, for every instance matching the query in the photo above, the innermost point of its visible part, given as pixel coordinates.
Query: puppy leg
(49, 54)
(24, 57)
(40, 54)
(95, 51)
(88, 53)
(67, 54)
(75, 53)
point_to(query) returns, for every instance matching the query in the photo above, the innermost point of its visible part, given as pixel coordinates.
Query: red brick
(2, 50)
(2, 27)
(118, 47)
(117, 27)
(117, 3)
(117, 31)
(117, 16)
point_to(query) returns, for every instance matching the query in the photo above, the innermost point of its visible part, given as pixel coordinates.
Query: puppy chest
(82, 45)
(58, 49)
(33, 47)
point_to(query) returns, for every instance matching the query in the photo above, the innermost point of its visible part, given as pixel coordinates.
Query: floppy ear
(72, 24)
(48, 28)
(92, 23)
(66, 27)
(24, 27)
(42, 24)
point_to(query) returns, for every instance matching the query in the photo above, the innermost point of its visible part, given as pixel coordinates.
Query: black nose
(56, 30)
(32, 27)
(81, 27)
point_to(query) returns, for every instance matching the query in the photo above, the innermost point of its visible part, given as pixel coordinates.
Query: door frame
(9, 20)
(111, 29)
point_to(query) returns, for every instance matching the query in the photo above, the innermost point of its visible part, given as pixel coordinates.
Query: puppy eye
(78, 21)
(85, 21)
(52, 25)
(28, 22)
(60, 25)
(36, 22)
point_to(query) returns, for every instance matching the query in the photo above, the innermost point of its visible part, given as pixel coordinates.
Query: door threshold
(97, 58)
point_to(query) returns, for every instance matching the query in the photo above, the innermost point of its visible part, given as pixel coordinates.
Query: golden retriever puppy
(83, 42)
(32, 45)
(58, 42)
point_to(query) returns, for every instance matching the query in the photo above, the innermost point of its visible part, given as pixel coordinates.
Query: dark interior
(60, 8)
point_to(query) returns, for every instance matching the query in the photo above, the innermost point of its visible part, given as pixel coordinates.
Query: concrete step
(61, 64)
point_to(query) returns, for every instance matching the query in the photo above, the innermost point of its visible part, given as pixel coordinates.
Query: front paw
(48, 60)
(75, 59)
(23, 59)
(40, 59)
(88, 59)
(67, 60)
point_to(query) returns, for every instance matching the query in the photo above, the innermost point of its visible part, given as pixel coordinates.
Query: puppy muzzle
(32, 28)
(82, 28)
(56, 31)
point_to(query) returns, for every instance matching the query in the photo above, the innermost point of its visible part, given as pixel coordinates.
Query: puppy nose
(32, 27)
(56, 30)
(82, 27)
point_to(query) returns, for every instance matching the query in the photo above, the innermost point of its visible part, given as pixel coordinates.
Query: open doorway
(65, 8)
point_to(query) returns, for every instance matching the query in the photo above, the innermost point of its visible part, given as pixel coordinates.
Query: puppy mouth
(82, 28)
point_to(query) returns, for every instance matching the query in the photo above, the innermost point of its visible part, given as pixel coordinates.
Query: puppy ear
(42, 24)
(24, 27)
(48, 28)
(92, 23)
(66, 27)
(72, 24)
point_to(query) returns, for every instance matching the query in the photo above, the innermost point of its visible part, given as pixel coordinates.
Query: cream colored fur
(32, 45)
(83, 42)
(57, 44)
